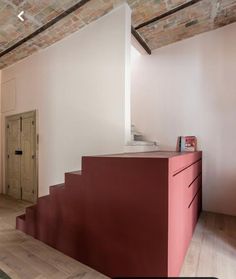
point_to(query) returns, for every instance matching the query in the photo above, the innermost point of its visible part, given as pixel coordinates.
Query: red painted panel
(127, 216)
(178, 225)
(30, 218)
(178, 163)
(193, 214)
(124, 215)
(20, 223)
(183, 186)
(193, 188)
(187, 176)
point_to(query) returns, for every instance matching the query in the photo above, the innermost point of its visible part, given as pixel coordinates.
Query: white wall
(189, 88)
(78, 87)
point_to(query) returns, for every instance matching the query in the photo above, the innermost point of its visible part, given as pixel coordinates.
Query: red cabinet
(144, 208)
(184, 208)
(124, 215)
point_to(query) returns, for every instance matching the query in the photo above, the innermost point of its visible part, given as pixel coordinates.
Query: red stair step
(44, 218)
(42, 201)
(57, 187)
(20, 223)
(30, 218)
(73, 178)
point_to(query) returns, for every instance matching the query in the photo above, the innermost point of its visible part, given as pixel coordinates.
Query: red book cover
(187, 143)
(190, 143)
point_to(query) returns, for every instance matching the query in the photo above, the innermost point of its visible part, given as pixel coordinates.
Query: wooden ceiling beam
(141, 40)
(46, 26)
(61, 16)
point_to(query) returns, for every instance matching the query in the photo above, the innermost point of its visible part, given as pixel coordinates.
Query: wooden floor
(23, 257)
(212, 251)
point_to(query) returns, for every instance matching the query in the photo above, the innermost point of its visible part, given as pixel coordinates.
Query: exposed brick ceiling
(202, 16)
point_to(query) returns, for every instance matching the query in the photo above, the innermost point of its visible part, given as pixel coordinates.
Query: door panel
(13, 160)
(28, 159)
(21, 180)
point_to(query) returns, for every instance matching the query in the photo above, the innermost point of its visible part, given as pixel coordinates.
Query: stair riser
(54, 189)
(73, 180)
(30, 221)
(20, 224)
(44, 220)
(70, 213)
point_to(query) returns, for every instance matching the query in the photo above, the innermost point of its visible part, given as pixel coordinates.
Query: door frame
(12, 116)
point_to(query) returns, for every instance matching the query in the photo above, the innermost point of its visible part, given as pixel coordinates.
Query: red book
(187, 143)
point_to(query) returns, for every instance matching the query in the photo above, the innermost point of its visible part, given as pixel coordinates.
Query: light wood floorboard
(23, 257)
(212, 251)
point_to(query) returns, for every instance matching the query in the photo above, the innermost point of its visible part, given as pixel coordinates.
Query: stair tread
(55, 188)
(57, 185)
(44, 198)
(32, 207)
(75, 172)
(22, 217)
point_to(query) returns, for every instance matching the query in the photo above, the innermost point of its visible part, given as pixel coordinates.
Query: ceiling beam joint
(141, 40)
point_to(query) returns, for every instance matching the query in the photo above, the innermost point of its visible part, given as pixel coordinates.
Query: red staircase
(113, 216)
(54, 214)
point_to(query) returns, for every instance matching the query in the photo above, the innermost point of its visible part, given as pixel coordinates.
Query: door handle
(18, 152)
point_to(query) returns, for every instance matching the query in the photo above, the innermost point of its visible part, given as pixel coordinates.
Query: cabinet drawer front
(185, 177)
(192, 213)
(180, 162)
(194, 210)
(193, 188)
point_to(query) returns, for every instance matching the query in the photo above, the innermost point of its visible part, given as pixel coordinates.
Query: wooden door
(28, 166)
(13, 160)
(21, 155)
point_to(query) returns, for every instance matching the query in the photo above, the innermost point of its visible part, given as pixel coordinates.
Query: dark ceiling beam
(61, 16)
(140, 40)
(170, 12)
(46, 26)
